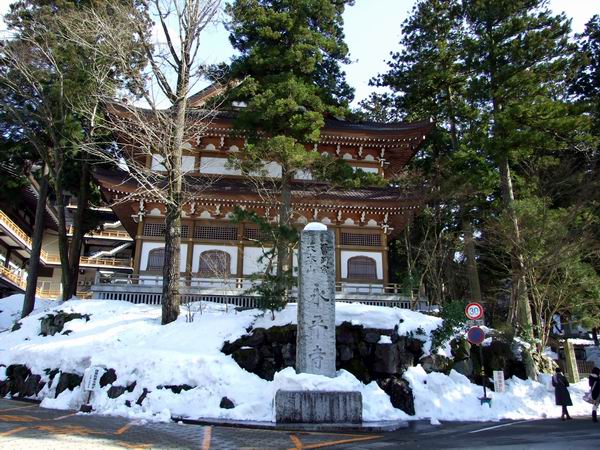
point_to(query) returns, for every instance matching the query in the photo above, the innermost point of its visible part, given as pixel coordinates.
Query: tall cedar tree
(290, 55)
(427, 78)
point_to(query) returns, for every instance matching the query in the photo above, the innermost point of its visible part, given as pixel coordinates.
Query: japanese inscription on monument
(315, 351)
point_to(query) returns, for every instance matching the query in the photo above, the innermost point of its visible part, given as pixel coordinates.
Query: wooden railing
(109, 234)
(13, 277)
(14, 229)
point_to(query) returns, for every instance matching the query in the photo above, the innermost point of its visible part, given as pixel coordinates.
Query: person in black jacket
(594, 381)
(561, 393)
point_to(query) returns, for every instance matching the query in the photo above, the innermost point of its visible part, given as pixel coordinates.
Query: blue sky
(372, 29)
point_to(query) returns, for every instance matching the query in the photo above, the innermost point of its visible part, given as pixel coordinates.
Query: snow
(385, 339)
(11, 307)
(579, 341)
(315, 226)
(130, 339)
(453, 397)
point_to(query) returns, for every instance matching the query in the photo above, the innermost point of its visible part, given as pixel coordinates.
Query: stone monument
(315, 346)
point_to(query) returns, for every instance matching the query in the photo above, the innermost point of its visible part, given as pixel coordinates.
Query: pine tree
(290, 55)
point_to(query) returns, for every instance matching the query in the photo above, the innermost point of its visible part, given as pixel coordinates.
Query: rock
(436, 363)
(281, 335)
(116, 391)
(288, 355)
(346, 353)
(16, 374)
(464, 367)
(142, 397)
(67, 381)
(372, 337)
(247, 358)
(386, 359)
(226, 403)
(175, 388)
(345, 333)
(266, 370)
(32, 386)
(54, 323)
(4, 388)
(230, 347)
(400, 393)
(363, 349)
(413, 346)
(253, 340)
(51, 375)
(358, 368)
(132, 386)
(128, 403)
(460, 348)
(108, 377)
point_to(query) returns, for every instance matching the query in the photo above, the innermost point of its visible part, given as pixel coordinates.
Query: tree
(289, 64)
(151, 132)
(40, 82)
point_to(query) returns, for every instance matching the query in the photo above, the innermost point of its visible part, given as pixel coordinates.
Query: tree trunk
(520, 306)
(36, 246)
(78, 228)
(63, 241)
(171, 298)
(472, 269)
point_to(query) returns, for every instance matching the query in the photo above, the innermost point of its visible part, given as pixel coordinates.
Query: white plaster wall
(187, 163)
(147, 246)
(199, 248)
(273, 169)
(377, 256)
(157, 163)
(251, 264)
(366, 169)
(216, 166)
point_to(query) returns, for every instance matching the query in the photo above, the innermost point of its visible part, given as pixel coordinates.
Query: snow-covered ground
(130, 339)
(11, 307)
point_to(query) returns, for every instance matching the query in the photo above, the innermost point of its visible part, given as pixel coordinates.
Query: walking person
(561, 393)
(594, 381)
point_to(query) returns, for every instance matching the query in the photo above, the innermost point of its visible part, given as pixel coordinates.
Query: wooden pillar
(7, 257)
(190, 256)
(138, 247)
(384, 258)
(338, 254)
(240, 252)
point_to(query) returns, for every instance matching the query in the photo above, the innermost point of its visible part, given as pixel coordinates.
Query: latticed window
(158, 230)
(154, 229)
(215, 233)
(156, 260)
(256, 234)
(361, 240)
(362, 267)
(214, 263)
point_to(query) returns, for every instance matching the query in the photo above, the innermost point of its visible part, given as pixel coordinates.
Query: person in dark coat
(561, 393)
(594, 381)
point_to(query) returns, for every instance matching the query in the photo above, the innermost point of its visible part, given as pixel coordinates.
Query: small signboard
(475, 335)
(474, 311)
(476, 323)
(91, 378)
(499, 385)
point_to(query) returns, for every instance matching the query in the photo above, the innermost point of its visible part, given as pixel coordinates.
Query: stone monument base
(318, 407)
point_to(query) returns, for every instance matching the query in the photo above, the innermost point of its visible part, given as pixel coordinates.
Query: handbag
(587, 397)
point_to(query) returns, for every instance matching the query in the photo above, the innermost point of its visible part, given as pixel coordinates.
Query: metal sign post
(476, 336)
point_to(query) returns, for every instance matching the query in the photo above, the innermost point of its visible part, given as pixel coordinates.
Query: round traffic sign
(474, 311)
(475, 335)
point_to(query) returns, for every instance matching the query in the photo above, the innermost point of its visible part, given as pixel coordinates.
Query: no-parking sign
(475, 335)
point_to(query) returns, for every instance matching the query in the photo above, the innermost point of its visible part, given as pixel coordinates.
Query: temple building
(217, 252)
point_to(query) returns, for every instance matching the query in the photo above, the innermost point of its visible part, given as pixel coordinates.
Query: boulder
(142, 397)
(32, 386)
(247, 358)
(288, 355)
(253, 340)
(372, 337)
(116, 391)
(436, 363)
(266, 370)
(16, 374)
(4, 388)
(345, 353)
(226, 403)
(464, 367)
(281, 335)
(400, 393)
(346, 334)
(108, 377)
(54, 323)
(67, 381)
(386, 359)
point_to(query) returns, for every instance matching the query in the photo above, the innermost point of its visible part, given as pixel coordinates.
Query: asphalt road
(27, 426)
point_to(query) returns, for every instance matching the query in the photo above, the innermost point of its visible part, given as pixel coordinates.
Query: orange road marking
(11, 418)
(339, 442)
(124, 428)
(129, 445)
(296, 441)
(206, 438)
(65, 416)
(13, 431)
(16, 408)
